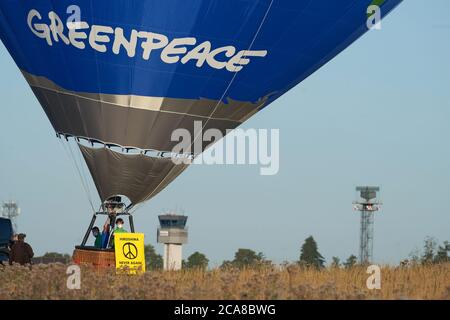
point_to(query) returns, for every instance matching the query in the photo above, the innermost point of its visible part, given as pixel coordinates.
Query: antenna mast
(11, 210)
(367, 204)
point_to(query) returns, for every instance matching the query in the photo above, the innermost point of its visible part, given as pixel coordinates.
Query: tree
(429, 249)
(350, 262)
(432, 253)
(56, 255)
(246, 258)
(442, 255)
(153, 261)
(226, 264)
(50, 257)
(196, 260)
(414, 257)
(310, 255)
(336, 262)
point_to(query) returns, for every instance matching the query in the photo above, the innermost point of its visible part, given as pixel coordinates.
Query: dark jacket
(21, 252)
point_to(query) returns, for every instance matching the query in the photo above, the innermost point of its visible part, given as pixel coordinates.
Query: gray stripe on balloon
(78, 114)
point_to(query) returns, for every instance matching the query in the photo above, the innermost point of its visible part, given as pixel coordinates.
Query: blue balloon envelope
(129, 73)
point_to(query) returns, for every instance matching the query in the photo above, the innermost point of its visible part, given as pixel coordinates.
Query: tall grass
(292, 282)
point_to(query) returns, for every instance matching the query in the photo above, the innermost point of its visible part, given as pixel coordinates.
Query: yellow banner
(129, 248)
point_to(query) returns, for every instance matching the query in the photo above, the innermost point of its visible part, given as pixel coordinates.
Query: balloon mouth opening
(131, 150)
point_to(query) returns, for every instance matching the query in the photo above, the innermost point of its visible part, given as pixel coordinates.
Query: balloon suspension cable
(129, 207)
(223, 95)
(83, 181)
(82, 175)
(133, 207)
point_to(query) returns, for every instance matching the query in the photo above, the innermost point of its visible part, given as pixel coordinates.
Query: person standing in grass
(13, 240)
(21, 252)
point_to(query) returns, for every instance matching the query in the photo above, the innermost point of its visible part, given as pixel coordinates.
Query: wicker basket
(94, 257)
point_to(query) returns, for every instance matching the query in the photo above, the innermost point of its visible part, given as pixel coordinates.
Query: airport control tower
(173, 233)
(367, 204)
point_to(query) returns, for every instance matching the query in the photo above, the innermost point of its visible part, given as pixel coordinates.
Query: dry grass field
(49, 282)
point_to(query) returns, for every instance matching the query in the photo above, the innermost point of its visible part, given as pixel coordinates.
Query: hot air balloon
(118, 77)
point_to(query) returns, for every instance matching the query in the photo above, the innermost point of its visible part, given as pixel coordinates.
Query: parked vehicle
(6, 233)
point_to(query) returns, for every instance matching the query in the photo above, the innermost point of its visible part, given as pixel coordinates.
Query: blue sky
(378, 114)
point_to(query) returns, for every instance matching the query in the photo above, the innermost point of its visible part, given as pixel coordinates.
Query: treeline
(242, 258)
(52, 257)
(432, 253)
